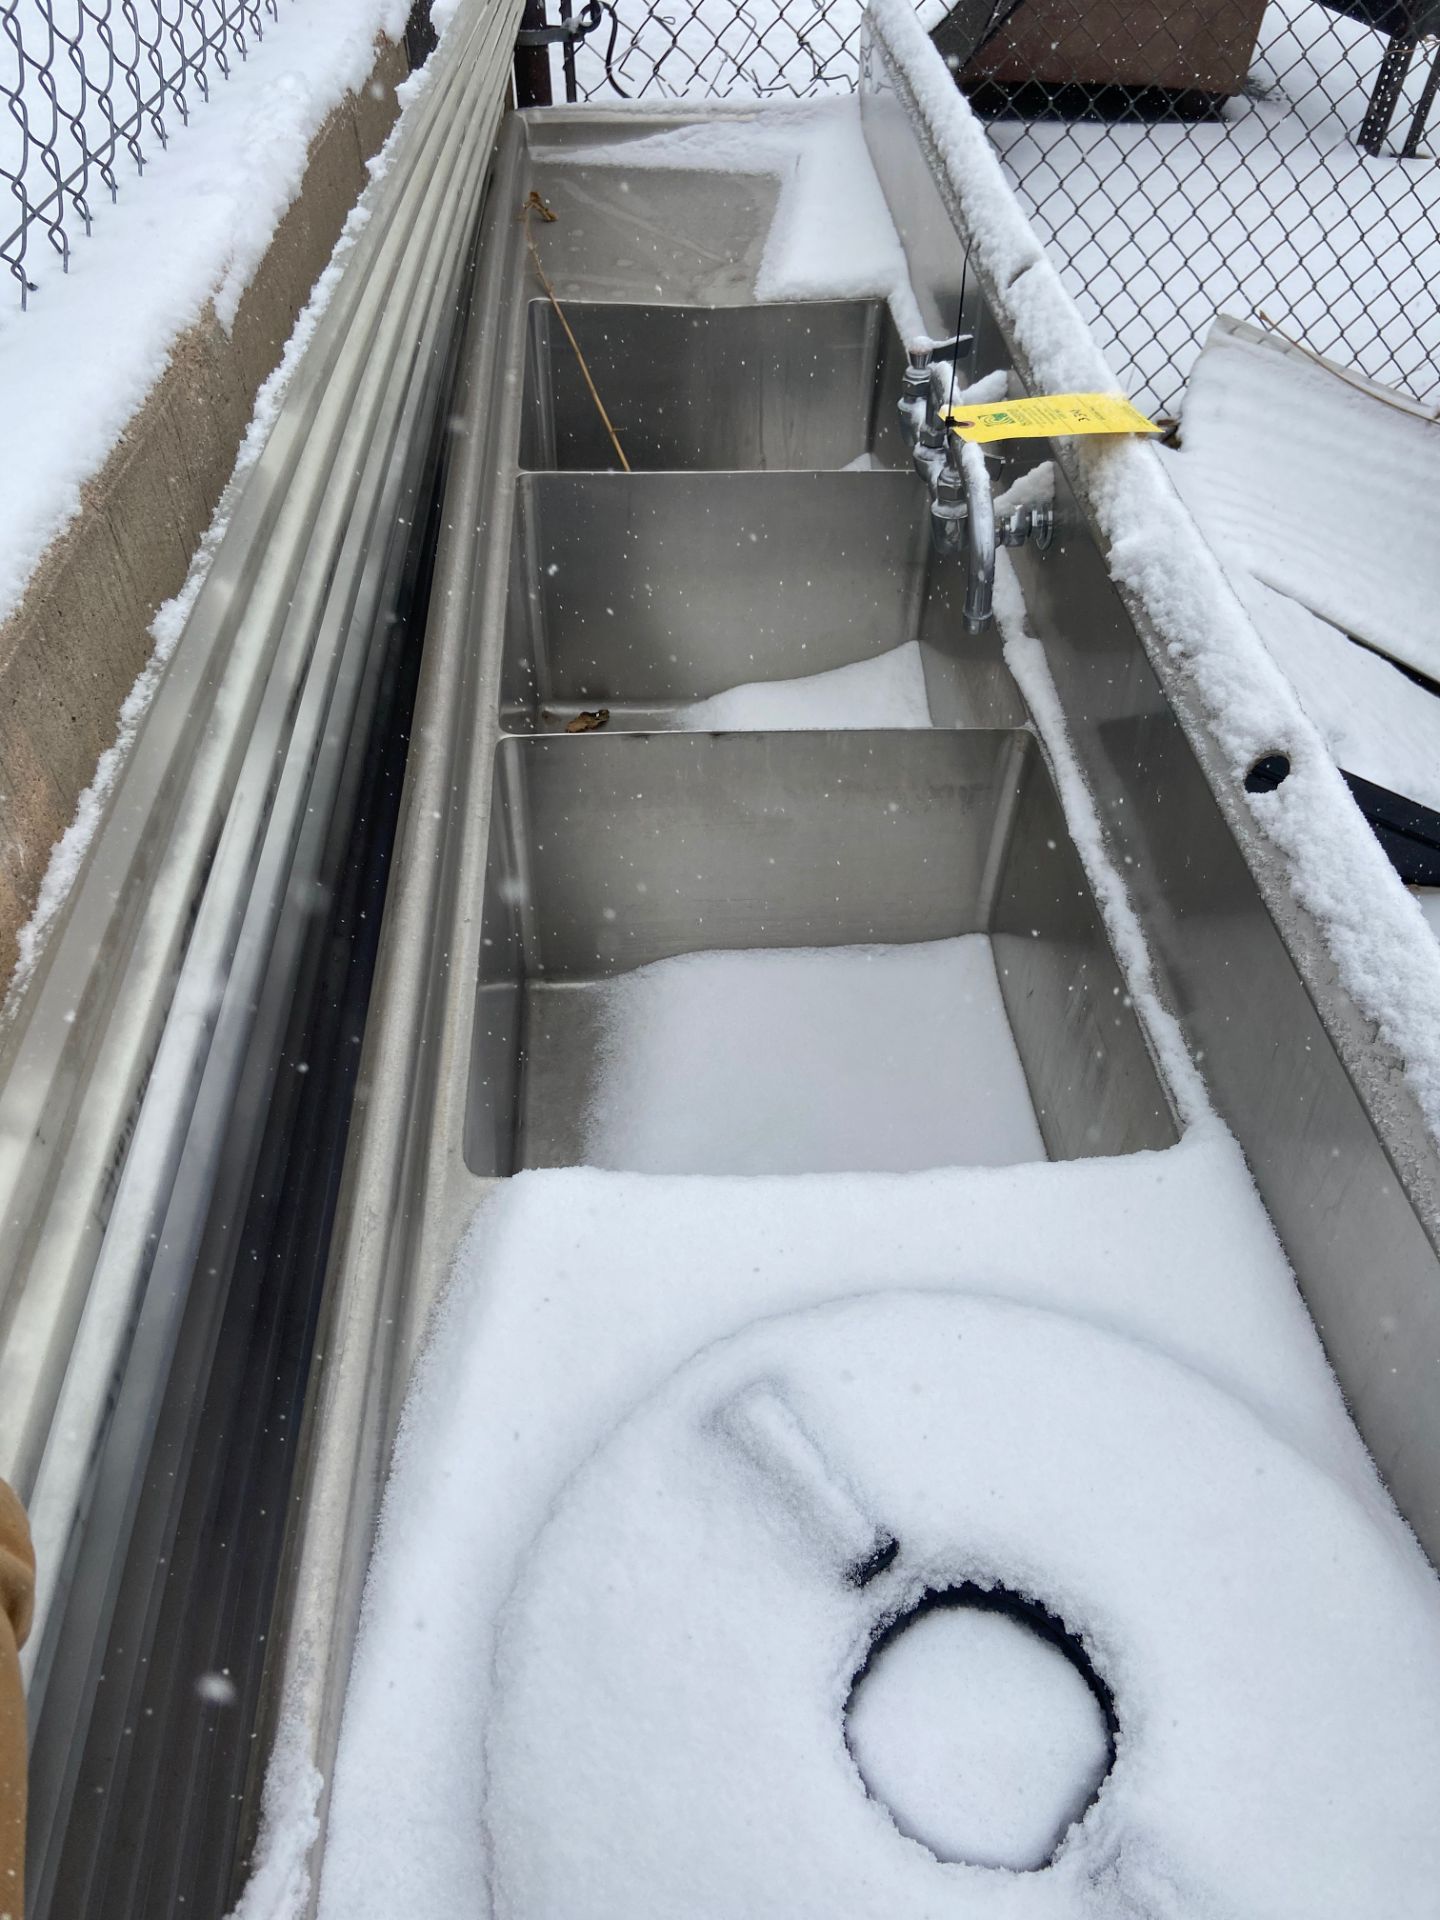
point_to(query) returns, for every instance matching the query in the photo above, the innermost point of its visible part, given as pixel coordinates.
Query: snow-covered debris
(1321, 489)
(1317, 495)
(886, 691)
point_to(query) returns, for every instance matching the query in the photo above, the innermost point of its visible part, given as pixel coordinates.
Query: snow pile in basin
(579, 1292)
(887, 691)
(676, 1656)
(811, 1060)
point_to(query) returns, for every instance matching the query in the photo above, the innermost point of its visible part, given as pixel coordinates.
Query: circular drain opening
(979, 1724)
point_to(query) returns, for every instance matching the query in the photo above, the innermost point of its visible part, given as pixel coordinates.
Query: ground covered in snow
(1159, 226)
(194, 226)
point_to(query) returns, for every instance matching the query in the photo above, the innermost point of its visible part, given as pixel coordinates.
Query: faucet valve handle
(923, 353)
(1034, 523)
(921, 388)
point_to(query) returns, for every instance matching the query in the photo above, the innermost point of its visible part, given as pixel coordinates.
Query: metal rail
(374, 1312)
(124, 1060)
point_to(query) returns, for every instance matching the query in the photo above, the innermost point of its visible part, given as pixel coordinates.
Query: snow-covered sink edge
(1356, 920)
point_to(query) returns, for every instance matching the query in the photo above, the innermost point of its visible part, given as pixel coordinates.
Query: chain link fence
(88, 88)
(1179, 157)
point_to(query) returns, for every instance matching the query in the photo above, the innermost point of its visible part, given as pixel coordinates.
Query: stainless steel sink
(660, 234)
(802, 386)
(640, 593)
(533, 869)
(607, 853)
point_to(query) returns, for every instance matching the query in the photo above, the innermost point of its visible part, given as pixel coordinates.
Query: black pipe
(532, 64)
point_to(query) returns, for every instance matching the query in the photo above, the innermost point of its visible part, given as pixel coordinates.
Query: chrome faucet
(962, 504)
(920, 402)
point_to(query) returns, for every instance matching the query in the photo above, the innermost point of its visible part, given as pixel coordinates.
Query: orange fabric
(17, 1598)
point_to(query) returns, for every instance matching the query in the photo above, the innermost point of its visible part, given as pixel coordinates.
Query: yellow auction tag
(1047, 415)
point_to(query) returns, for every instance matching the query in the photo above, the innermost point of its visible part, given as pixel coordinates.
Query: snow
(762, 1428)
(832, 237)
(1025, 657)
(983, 1740)
(279, 1881)
(1374, 719)
(675, 1655)
(886, 691)
(1314, 557)
(811, 1060)
(579, 1293)
(1428, 901)
(194, 227)
(1316, 488)
(1160, 226)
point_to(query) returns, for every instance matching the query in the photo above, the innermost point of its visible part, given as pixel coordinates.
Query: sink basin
(641, 593)
(674, 235)
(755, 387)
(609, 853)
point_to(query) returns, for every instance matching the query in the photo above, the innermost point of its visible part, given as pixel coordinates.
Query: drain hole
(1268, 772)
(980, 1725)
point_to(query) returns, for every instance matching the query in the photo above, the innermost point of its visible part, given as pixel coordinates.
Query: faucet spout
(979, 538)
(957, 480)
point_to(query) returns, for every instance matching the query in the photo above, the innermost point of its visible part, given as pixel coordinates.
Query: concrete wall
(71, 651)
